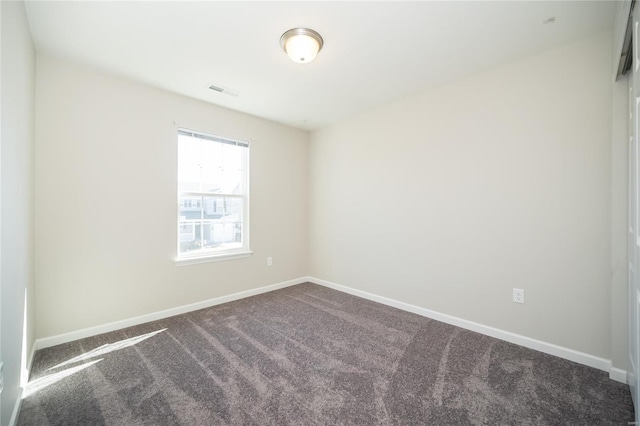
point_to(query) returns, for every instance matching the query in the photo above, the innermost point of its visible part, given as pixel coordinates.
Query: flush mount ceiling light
(301, 44)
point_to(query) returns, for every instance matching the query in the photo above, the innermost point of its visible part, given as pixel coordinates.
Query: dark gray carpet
(308, 355)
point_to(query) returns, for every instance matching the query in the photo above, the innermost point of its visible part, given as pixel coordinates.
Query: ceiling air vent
(223, 90)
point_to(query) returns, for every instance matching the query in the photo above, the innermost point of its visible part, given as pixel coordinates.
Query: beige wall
(446, 200)
(449, 199)
(106, 200)
(17, 121)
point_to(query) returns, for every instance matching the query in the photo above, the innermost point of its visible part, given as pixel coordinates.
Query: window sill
(212, 258)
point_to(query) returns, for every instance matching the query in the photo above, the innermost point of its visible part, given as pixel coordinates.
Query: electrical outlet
(269, 261)
(518, 295)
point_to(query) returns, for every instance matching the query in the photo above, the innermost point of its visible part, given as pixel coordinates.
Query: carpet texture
(309, 355)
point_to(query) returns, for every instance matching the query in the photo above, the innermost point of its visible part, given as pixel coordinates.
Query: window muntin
(213, 195)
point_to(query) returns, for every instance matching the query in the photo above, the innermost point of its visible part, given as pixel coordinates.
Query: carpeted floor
(308, 355)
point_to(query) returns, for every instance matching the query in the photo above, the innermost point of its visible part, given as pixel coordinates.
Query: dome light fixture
(301, 44)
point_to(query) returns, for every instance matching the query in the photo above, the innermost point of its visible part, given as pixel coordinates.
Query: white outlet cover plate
(518, 295)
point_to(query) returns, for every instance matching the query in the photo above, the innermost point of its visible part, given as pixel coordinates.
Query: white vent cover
(223, 90)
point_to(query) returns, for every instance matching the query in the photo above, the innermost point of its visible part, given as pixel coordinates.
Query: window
(213, 196)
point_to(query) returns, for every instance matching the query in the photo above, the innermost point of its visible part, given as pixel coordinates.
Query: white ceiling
(374, 52)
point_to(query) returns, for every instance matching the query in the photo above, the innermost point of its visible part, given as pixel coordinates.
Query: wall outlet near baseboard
(518, 295)
(269, 261)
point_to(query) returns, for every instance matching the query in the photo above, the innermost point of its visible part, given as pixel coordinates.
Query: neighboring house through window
(213, 196)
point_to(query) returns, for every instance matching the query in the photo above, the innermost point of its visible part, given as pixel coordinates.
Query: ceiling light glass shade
(301, 44)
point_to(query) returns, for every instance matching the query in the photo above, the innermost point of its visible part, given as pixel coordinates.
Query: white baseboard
(618, 375)
(548, 348)
(117, 325)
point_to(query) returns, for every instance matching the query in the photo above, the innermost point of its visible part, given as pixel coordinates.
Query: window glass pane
(233, 166)
(214, 207)
(189, 165)
(211, 166)
(211, 179)
(190, 235)
(227, 234)
(233, 209)
(187, 231)
(220, 234)
(232, 156)
(231, 182)
(222, 168)
(190, 207)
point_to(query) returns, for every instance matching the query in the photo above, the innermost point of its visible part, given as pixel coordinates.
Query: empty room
(310, 213)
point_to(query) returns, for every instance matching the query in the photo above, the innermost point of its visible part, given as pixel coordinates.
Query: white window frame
(212, 255)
